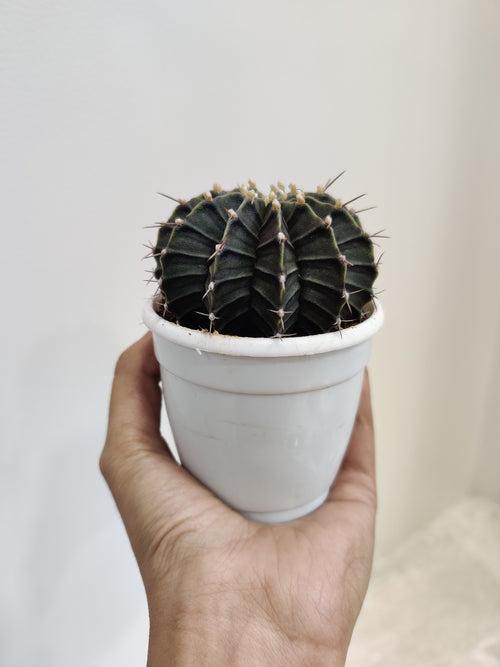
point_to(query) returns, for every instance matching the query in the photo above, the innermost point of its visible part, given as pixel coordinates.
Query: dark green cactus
(289, 263)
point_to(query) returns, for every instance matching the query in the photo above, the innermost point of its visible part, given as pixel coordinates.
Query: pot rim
(240, 346)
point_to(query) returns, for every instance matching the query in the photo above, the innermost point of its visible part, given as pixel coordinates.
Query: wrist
(232, 636)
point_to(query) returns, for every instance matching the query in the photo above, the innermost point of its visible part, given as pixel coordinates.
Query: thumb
(150, 489)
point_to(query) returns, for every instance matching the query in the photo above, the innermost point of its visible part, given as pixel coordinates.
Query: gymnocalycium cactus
(243, 263)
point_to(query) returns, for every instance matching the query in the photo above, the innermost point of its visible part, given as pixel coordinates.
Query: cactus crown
(243, 263)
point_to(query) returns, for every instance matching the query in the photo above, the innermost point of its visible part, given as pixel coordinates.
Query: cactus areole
(242, 263)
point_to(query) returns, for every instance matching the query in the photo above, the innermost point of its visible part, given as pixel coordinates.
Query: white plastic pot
(262, 422)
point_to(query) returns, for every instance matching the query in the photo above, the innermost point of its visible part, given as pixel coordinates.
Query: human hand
(221, 589)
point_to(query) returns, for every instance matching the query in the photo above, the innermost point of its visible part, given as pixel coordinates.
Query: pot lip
(239, 346)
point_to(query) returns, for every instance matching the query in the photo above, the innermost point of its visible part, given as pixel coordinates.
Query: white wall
(437, 393)
(106, 102)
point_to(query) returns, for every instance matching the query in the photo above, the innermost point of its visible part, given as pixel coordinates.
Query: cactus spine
(288, 263)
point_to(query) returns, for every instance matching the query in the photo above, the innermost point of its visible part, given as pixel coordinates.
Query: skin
(221, 589)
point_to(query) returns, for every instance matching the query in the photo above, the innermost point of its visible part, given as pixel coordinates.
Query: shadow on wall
(487, 477)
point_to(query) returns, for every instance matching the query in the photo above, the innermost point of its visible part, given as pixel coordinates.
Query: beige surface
(435, 600)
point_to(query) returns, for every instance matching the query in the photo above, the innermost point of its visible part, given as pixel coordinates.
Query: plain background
(103, 103)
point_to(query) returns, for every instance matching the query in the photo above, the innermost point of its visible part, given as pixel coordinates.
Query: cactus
(288, 263)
